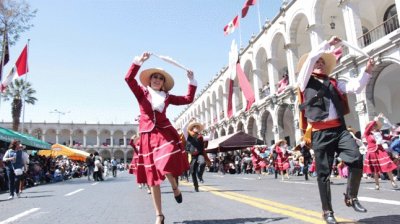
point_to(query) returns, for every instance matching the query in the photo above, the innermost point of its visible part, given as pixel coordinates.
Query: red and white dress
(376, 160)
(133, 165)
(282, 160)
(258, 162)
(159, 151)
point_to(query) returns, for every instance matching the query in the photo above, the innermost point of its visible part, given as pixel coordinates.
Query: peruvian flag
(246, 7)
(245, 86)
(230, 28)
(20, 68)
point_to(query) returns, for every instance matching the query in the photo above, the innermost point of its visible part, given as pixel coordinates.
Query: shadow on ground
(387, 219)
(233, 221)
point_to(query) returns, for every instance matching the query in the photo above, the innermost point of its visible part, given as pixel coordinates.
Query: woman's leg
(376, 177)
(390, 174)
(173, 183)
(156, 196)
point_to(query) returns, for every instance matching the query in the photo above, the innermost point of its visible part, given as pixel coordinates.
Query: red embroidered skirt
(378, 162)
(160, 153)
(282, 163)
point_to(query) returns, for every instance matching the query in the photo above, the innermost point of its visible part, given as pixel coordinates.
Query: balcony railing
(378, 32)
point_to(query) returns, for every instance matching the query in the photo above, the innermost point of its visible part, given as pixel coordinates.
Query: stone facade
(298, 27)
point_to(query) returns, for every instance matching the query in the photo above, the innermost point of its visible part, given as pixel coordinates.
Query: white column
(353, 26)
(290, 63)
(125, 140)
(98, 139)
(271, 77)
(257, 83)
(84, 138)
(70, 138)
(397, 2)
(57, 136)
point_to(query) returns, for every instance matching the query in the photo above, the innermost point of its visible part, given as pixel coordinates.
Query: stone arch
(382, 88)
(77, 137)
(252, 128)
(222, 132)
(105, 154)
(91, 137)
(129, 155)
(51, 134)
(262, 72)
(300, 41)
(118, 155)
(105, 137)
(230, 130)
(118, 137)
(278, 57)
(267, 125)
(240, 126)
(64, 137)
(286, 124)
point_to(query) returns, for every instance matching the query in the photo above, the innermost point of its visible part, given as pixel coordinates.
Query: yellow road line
(275, 207)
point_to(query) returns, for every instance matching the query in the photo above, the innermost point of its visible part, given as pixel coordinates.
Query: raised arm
(132, 72)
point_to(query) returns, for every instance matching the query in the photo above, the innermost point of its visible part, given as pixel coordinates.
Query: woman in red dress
(282, 160)
(258, 162)
(134, 142)
(377, 160)
(160, 154)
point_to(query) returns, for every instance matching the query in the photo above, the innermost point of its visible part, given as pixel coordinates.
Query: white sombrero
(329, 58)
(191, 125)
(146, 74)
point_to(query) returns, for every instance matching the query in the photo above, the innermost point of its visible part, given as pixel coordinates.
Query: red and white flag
(230, 28)
(20, 68)
(246, 7)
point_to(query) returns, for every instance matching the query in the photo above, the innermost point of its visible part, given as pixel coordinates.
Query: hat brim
(329, 58)
(146, 74)
(280, 141)
(191, 125)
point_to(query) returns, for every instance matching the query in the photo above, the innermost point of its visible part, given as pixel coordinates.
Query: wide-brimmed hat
(280, 141)
(192, 124)
(145, 76)
(329, 58)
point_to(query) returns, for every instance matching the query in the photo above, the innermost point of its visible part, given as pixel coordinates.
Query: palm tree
(19, 92)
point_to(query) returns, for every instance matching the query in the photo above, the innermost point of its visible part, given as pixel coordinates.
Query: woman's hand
(145, 56)
(334, 40)
(190, 74)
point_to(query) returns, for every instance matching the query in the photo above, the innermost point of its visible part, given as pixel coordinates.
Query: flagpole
(259, 17)
(240, 30)
(26, 79)
(2, 59)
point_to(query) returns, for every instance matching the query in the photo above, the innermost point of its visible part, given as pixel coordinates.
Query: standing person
(114, 165)
(90, 165)
(134, 143)
(195, 146)
(25, 159)
(98, 167)
(282, 159)
(377, 159)
(14, 166)
(306, 154)
(160, 153)
(323, 105)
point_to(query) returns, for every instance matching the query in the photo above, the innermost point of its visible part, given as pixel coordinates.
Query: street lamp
(59, 113)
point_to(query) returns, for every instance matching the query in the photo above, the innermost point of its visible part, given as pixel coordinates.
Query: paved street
(223, 199)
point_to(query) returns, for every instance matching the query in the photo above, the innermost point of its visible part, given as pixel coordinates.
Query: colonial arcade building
(299, 26)
(109, 140)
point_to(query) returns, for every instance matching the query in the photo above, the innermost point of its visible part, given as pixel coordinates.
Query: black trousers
(325, 144)
(194, 169)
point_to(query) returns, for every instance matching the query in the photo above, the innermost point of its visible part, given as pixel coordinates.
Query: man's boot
(353, 184)
(325, 195)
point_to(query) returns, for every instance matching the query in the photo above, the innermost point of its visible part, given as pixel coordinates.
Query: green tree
(19, 92)
(15, 16)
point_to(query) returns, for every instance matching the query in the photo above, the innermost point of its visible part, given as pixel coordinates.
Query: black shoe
(329, 218)
(178, 198)
(196, 189)
(354, 203)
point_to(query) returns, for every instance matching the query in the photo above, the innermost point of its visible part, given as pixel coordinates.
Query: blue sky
(80, 51)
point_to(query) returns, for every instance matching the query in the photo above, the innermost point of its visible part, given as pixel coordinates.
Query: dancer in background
(377, 160)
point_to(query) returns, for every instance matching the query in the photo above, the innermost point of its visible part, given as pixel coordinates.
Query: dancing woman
(160, 154)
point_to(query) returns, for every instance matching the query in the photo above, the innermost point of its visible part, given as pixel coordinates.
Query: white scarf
(157, 99)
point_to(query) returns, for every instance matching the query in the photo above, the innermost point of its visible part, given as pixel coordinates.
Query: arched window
(366, 36)
(390, 19)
